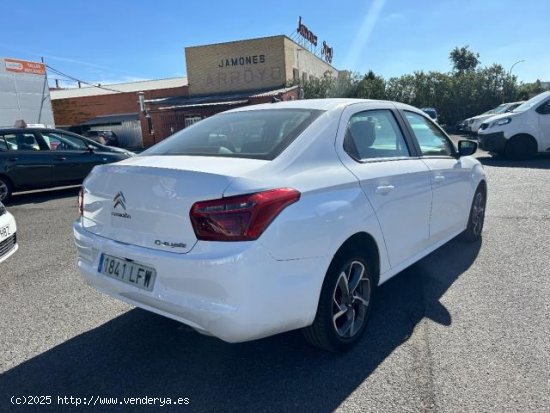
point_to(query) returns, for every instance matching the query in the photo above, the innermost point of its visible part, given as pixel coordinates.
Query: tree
(463, 59)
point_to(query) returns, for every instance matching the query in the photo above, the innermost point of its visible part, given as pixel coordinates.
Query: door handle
(61, 158)
(13, 159)
(384, 189)
(439, 179)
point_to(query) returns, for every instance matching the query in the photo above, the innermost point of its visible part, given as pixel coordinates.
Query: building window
(296, 75)
(304, 77)
(191, 120)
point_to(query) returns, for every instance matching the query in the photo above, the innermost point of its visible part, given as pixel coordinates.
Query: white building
(24, 93)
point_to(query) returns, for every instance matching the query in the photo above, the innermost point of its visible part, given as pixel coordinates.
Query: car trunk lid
(145, 201)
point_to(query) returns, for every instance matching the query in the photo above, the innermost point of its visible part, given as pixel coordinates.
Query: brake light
(239, 218)
(81, 201)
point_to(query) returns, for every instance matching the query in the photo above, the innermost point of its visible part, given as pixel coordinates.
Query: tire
(476, 218)
(520, 147)
(341, 318)
(5, 189)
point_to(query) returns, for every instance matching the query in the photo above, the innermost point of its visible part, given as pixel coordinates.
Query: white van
(519, 134)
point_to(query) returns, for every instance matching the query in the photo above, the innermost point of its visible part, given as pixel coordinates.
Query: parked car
(290, 221)
(104, 137)
(474, 123)
(41, 158)
(8, 234)
(432, 113)
(521, 133)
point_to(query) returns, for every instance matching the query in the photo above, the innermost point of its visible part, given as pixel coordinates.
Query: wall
(236, 66)
(297, 57)
(73, 111)
(24, 95)
(166, 122)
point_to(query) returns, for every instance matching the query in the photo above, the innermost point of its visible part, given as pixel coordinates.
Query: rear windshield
(256, 134)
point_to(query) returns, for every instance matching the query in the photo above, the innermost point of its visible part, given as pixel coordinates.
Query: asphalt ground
(467, 329)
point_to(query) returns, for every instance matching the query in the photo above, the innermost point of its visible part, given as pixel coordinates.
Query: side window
(63, 142)
(431, 140)
(374, 134)
(3, 144)
(544, 109)
(21, 142)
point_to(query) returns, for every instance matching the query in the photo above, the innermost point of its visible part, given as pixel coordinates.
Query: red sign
(23, 66)
(306, 33)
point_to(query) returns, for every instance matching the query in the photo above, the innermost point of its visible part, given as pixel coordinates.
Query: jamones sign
(327, 52)
(306, 33)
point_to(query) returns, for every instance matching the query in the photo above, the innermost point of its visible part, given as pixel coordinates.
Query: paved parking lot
(466, 329)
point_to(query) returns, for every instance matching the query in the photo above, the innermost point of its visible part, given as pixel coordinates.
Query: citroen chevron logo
(120, 200)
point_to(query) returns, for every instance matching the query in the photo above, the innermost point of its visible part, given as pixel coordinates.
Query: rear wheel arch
(339, 307)
(365, 243)
(9, 184)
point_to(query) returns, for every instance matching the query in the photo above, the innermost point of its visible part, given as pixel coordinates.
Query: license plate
(128, 271)
(4, 232)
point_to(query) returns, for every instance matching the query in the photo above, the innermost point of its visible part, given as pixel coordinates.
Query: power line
(81, 81)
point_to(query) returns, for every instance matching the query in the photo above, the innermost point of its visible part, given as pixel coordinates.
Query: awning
(229, 99)
(204, 105)
(111, 119)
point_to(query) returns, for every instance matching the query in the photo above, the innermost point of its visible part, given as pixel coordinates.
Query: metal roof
(110, 119)
(213, 100)
(139, 86)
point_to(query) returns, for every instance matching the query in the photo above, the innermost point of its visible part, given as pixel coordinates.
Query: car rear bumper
(235, 291)
(492, 142)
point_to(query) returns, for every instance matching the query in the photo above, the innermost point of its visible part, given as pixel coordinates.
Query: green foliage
(528, 90)
(465, 91)
(463, 59)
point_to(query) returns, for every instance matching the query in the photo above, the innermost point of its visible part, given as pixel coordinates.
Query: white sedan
(281, 216)
(8, 236)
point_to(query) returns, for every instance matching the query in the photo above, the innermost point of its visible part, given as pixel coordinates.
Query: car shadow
(141, 354)
(37, 197)
(541, 161)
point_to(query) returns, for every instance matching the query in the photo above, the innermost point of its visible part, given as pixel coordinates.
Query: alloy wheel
(478, 214)
(350, 300)
(4, 190)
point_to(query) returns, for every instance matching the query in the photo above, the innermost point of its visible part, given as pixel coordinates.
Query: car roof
(317, 104)
(33, 129)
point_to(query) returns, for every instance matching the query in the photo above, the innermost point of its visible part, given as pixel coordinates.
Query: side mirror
(466, 148)
(91, 149)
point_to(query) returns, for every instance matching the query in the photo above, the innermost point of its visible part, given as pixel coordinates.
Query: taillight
(239, 218)
(81, 201)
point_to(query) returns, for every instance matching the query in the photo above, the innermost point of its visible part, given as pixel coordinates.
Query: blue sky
(114, 41)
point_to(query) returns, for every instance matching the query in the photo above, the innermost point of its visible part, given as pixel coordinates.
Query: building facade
(253, 64)
(219, 77)
(24, 93)
(232, 74)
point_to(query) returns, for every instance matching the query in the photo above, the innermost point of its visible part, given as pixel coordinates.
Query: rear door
(26, 160)
(450, 179)
(373, 146)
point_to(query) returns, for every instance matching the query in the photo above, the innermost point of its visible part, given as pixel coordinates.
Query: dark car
(104, 137)
(40, 158)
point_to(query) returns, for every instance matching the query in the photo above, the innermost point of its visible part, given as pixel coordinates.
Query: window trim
(411, 149)
(414, 139)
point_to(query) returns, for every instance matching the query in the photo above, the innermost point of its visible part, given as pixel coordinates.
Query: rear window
(256, 134)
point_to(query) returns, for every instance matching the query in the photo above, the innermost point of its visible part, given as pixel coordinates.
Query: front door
(450, 179)
(543, 112)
